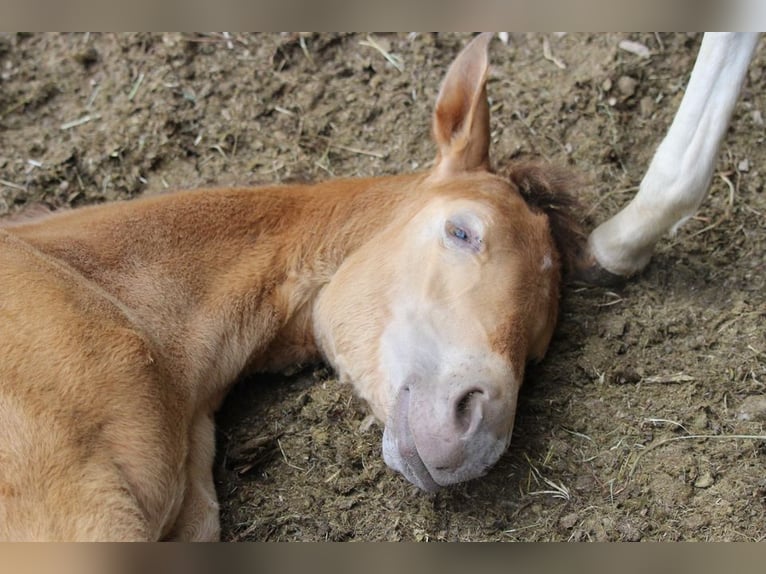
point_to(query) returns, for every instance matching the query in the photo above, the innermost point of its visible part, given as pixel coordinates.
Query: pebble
(744, 166)
(627, 86)
(636, 48)
(704, 481)
(646, 106)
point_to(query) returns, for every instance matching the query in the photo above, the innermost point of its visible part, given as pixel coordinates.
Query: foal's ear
(461, 119)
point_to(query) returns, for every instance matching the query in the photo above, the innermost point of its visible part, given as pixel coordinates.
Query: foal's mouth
(399, 449)
(454, 452)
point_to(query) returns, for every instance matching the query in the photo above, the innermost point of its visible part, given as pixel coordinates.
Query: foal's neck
(223, 279)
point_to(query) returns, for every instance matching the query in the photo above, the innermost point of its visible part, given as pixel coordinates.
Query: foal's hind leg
(198, 519)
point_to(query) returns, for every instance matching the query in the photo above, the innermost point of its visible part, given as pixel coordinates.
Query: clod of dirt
(700, 420)
(629, 532)
(704, 481)
(753, 408)
(569, 520)
(625, 376)
(615, 328)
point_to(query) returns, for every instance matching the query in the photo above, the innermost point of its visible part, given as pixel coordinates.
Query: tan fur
(122, 327)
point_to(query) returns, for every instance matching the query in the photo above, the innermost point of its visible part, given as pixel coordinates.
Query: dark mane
(549, 189)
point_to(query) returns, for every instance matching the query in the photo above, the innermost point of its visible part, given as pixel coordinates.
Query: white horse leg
(680, 172)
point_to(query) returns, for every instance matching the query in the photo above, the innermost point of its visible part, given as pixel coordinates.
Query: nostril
(463, 404)
(468, 409)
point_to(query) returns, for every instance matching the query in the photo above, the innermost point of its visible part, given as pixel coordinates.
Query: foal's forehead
(490, 194)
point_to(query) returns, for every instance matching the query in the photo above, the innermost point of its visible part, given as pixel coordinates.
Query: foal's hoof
(589, 270)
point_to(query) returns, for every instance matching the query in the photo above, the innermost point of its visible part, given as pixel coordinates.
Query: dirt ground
(628, 430)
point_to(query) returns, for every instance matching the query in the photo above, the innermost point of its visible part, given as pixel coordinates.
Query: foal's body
(187, 282)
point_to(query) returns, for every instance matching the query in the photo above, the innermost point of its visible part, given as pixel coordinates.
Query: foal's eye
(459, 233)
(463, 232)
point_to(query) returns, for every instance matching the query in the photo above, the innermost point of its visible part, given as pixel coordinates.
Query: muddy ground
(603, 447)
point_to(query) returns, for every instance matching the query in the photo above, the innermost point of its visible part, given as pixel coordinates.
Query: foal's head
(434, 319)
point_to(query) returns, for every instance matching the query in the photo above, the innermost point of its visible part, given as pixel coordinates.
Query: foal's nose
(450, 430)
(459, 432)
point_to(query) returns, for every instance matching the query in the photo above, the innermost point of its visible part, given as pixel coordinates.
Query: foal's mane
(551, 190)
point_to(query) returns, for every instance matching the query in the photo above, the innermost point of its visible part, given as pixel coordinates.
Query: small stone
(704, 481)
(636, 48)
(744, 166)
(627, 86)
(646, 106)
(606, 85)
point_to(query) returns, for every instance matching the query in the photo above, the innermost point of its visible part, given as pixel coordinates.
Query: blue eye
(463, 234)
(459, 233)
